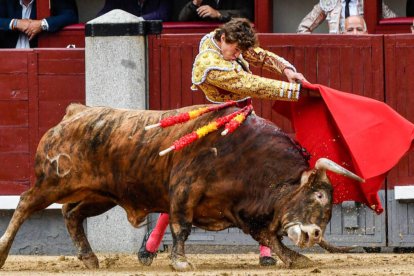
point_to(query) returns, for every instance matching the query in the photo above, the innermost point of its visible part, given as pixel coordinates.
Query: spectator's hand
(207, 11)
(197, 2)
(23, 25)
(34, 29)
(293, 76)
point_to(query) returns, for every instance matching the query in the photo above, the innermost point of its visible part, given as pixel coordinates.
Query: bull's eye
(319, 195)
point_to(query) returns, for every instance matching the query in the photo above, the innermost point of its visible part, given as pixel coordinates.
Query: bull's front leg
(180, 232)
(289, 257)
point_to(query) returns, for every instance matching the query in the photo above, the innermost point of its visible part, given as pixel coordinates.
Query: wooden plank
(323, 61)
(14, 113)
(336, 220)
(13, 187)
(198, 95)
(263, 15)
(358, 71)
(13, 61)
(62, 61)
(14, 140)
(410, 218)
(174, 89)
(402, 218)
(154, 73)
(186, 70)
(56, 88)
(51, 112)
(310, 69)
(15, 167)
(43, 8)
(13, 87)
(346, 68)
(165, 80)
(334, 68)
(377, 68)
(33, 111)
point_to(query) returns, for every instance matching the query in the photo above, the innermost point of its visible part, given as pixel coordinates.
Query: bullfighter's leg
(152, 240)
(75, 214)
(30, 201)
(290, 257)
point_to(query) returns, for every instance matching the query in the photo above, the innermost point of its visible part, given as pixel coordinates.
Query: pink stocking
(265, 251)
(157, 234)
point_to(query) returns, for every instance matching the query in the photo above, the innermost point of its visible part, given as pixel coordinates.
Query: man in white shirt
(335, 12)
(355, 25)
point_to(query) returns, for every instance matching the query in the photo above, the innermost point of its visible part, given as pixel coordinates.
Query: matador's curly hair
(240, 31)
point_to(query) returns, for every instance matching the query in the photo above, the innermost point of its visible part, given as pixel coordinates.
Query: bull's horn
(326, 164)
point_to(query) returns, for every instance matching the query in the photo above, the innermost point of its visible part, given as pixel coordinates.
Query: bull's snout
(305, 235)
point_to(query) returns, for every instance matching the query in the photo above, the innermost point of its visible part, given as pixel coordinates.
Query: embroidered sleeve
(268, 60)
(249, 85)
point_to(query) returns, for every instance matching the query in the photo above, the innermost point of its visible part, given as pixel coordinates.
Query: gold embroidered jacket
(222, 80)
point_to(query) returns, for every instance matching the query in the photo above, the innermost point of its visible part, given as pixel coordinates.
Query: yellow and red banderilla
(187, 116)
(231, 122)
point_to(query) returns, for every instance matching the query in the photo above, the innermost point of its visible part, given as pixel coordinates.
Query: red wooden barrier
(37, 85)
(35, 88)
(399, 79)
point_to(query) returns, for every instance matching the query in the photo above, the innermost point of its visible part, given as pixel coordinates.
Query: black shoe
(267, 261)
(144, 256)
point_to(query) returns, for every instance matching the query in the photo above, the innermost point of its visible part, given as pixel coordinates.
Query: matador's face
(230, 51)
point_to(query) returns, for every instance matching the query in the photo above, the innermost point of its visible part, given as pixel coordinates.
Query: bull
(257, 179)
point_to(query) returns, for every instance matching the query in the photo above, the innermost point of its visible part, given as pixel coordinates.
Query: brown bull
(256, 179)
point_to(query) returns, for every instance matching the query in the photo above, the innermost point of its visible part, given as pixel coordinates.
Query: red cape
(361, 134)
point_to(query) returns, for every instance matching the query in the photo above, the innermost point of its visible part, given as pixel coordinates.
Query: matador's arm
(267, 60)
(254, 86)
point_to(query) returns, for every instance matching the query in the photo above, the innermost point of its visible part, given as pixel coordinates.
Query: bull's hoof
(181, 265)
(144, 256)
(89, 260)
(267, 261)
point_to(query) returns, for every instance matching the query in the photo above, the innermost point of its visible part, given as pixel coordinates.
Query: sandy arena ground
(214, 264)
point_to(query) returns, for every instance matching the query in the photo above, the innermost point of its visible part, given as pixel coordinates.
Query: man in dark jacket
(147, 9)
(19, 25)
(213, 10)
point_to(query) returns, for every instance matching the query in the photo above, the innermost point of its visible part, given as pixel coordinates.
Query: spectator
(410, 8)
(19, 25)
(212, 10)
(147, 9)
(335, 13)
(355, 25)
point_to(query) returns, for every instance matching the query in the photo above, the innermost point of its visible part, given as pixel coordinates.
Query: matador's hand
(293, 76)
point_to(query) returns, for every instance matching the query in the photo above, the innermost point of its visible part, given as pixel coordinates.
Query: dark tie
(347, 8)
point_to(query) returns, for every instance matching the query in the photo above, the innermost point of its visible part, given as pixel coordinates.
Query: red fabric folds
(359, 133)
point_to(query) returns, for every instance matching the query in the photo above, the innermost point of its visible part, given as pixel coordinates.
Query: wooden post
(263, 16)
(43, 8)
